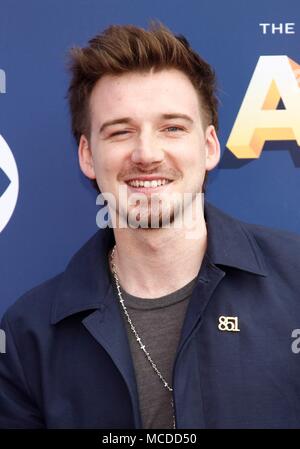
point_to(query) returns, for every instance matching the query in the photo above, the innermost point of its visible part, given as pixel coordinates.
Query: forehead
(144, 95)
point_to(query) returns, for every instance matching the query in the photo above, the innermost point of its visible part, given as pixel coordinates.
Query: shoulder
(270, 242)
(274, 242)
(238, 243)
(280, 251)
(35, 305)
(68, 290)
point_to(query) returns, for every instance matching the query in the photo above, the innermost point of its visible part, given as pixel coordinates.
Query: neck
(155, 262)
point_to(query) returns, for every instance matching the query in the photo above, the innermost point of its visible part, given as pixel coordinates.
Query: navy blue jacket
(68, 362)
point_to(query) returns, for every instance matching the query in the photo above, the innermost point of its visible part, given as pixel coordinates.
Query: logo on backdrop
(270, 110)
(9, 178)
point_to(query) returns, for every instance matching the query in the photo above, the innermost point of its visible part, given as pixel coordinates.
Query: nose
(147, 150)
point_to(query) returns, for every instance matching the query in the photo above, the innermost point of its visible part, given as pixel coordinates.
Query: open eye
(173, 129)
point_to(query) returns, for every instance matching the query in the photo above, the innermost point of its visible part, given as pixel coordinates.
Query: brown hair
(121, 49)
(126, 48)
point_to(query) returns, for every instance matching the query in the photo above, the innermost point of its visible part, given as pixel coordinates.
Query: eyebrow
(126, 120)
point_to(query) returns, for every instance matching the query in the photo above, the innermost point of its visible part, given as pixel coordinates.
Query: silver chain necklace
(139, 340)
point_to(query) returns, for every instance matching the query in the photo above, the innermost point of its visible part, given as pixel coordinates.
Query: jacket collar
(231, 242)
(85, 283)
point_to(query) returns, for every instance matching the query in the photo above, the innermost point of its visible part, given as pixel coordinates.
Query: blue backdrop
(55, 210)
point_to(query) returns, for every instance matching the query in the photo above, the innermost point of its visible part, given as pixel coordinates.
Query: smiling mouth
(148, 184)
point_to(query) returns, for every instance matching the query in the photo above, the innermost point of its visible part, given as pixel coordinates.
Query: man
(185, 324)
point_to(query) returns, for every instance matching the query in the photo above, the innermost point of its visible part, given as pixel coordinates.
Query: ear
(212, 148)
(86, 158)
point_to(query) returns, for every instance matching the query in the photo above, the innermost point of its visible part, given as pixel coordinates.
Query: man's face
(148, 135)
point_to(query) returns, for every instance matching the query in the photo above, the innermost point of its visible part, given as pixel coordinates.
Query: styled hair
(121, 49)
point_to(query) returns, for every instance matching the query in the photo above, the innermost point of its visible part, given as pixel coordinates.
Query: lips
(148, 183)
(148, 186)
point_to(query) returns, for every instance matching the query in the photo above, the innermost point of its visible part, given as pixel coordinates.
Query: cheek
(190, 156)
(107, 169)
(106, 160)
(104, 163)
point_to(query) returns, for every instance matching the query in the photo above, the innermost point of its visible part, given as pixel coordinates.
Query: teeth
(147, 184)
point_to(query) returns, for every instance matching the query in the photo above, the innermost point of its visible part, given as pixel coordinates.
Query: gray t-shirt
(158, 322)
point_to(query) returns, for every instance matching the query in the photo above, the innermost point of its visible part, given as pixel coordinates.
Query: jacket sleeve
(17, 407)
